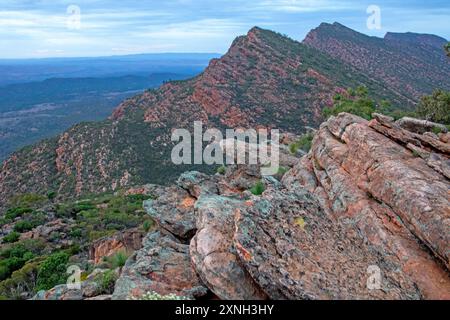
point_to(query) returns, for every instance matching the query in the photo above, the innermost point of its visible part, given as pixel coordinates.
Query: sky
(82, 28)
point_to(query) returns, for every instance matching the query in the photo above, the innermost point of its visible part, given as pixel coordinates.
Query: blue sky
(40, 28)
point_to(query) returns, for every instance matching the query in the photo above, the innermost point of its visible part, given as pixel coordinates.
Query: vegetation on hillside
(28, 265)
(434, 107)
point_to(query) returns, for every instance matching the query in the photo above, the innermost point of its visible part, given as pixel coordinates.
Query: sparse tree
(435, 107)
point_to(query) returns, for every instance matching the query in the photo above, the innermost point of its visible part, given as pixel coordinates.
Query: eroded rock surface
(364, 215)
(295, 251)
(163, 266)
(213, 253)
(363, 174)
(173, 211)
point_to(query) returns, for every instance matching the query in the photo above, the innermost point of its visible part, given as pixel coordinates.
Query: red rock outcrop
(364, 174)
(127, 241)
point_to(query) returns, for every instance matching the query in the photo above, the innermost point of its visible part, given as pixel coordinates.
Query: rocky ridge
(280, 82)
(370, 195)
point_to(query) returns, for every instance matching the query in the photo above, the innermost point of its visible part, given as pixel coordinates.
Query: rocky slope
(370, 195)
(408, 63)
(370, 198)
(264, 80)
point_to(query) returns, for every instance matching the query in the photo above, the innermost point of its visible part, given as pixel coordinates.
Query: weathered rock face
(163, 266)
(173, 211)
(295, 251)
(365, 174)
(364, 215)
(213, 253)
(129, 241)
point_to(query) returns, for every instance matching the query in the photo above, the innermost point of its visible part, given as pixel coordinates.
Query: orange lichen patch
(249, 203)
(187, 202)
(244, 252)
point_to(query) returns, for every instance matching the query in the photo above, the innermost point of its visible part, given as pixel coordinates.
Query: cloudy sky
(57, 28)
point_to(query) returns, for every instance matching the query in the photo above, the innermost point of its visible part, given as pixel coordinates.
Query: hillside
(30, 112)
(264, 80)
(410, 64)
(364, 215)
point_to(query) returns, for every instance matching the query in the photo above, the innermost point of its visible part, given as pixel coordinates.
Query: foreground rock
(295, 251)
(163, 266)
(364, 215)
(363, 174)
(213, 255)
(173, 211)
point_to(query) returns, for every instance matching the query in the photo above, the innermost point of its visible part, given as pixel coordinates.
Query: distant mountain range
(264, 80)
(32, 111)
(28, 70)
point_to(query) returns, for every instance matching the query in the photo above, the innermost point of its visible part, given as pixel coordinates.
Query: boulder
(365, 174)
(163, 265)
(212, 252)
(173, 211)
(294, 251)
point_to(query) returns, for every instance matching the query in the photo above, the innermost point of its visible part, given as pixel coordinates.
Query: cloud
(135, 26)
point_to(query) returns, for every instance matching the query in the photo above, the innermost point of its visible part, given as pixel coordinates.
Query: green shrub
(12, 237)
(13, 258)
(437, 130)
(293, 148)
(28, 200)
(76, 233)
(53, 271)
(51, 195)
(108, 281)
(222, 170)
(118, 260)
(435, 107)
(17, 212)
(358, 103)
(282, 171)
(147, 225)
(304, 143)
(23, 226)
(258, 188)
(22, 281)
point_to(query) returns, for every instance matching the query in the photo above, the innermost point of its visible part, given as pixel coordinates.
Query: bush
(358, 103)
(118, 260)
(221, 170)
(16, 212)
(258, 188)
(435, 107)
(53, 271)
(23, 226)
(282, 171)
(28, 200)
(108, 281)
(13, 258)
(304, 143)
(12, 237)
(51, 195)
(22, 281)
(147, 225)
(76, 233)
